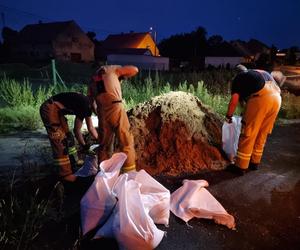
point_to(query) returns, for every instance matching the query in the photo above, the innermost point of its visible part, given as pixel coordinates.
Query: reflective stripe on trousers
(258, 121)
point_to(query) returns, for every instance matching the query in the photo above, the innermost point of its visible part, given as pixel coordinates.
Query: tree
(215, 40)
(273, 52)
(291, 56)
(185, 47)
(10, 38)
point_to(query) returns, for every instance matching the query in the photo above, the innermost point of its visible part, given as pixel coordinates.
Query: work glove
(85, 149)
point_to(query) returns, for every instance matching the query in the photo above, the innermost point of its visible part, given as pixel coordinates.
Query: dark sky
(270, 21)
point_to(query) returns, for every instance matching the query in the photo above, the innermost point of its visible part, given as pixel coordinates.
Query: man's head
(98, 75)
(278, 77)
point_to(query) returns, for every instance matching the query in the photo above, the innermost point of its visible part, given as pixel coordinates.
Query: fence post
(53, 71)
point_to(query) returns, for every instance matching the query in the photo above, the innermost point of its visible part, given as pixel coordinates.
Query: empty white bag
(193, 200)
(230, 136)
(98, 202)
(142, 202)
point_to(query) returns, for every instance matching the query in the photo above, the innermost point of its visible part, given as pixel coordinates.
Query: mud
(172, 139)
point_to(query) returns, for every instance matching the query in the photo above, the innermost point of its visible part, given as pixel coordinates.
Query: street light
(154, 38)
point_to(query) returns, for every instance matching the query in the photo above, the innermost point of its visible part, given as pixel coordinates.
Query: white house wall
(223, 61)
(141, 61)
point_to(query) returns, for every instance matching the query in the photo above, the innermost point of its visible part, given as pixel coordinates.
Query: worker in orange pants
(113, 121)
(52, 112)
(261, 93)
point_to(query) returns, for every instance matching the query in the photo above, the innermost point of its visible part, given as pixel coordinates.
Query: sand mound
(175, 134)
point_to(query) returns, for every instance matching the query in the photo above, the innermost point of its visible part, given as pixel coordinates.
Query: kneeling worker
(53, 113)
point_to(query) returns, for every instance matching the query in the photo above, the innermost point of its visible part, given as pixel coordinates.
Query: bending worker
(62, 141)
(260, 92)
(113, 120)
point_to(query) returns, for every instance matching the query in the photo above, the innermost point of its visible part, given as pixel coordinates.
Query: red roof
(43, 32)
(124, 40)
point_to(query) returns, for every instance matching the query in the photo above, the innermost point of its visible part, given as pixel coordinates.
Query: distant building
(132, 48)
(132, 40)
(251, 50)
(63, 41)
(223, 55)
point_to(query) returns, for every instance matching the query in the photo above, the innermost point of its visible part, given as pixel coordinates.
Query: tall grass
(20, 103)
(290, 108)
(137, 94)
(22, 215)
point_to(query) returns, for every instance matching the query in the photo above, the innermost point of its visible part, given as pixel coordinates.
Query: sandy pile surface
(175, 134)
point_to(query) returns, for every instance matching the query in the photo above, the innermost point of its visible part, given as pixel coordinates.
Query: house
(63, 41)
(132, 40)
(223, 55)
(132, 48)
(251, 50)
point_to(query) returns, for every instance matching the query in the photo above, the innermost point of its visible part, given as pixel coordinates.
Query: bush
(290, 108)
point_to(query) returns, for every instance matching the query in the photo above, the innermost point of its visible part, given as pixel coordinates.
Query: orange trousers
(114, 125)
(258, 120)
(61, 140)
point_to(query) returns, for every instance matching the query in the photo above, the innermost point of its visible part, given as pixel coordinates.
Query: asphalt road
(265, 204)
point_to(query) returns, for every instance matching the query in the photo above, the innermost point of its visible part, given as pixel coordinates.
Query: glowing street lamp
(154, 38)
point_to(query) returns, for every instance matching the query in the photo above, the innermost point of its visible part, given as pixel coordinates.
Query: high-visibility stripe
(257, 154)
(61, 161)
(129, 168)
(72, 150)
(242, 156)
(257, 151)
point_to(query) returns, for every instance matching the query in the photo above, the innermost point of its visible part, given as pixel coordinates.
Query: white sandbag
(131, 224)
(89, 166)
(155, 197)
(193, 200)
(230, 136)
(98, 201)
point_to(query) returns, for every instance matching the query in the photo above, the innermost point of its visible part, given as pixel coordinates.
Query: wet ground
(265, 203)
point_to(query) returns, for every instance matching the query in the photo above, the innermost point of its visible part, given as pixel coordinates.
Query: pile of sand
(175, 134)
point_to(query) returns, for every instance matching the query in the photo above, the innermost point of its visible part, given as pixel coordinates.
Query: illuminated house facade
(63, 41)
(132, 48)
(130, 40)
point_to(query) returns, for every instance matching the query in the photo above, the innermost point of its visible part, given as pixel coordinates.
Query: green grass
(23, 215)
(290, 108)
(20, 101)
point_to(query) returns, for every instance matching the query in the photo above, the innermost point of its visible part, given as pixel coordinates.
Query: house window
(75, 57)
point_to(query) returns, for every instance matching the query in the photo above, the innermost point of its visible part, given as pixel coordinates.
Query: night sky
(270, 21)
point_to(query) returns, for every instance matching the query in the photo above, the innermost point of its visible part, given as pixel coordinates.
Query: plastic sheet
(193, 200)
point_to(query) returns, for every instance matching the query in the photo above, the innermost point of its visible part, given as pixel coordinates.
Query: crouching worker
(261, 93)
(53, 113)
(113, 121)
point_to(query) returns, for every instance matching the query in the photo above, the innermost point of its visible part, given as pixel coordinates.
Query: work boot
(235, 169)
(253, 166)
